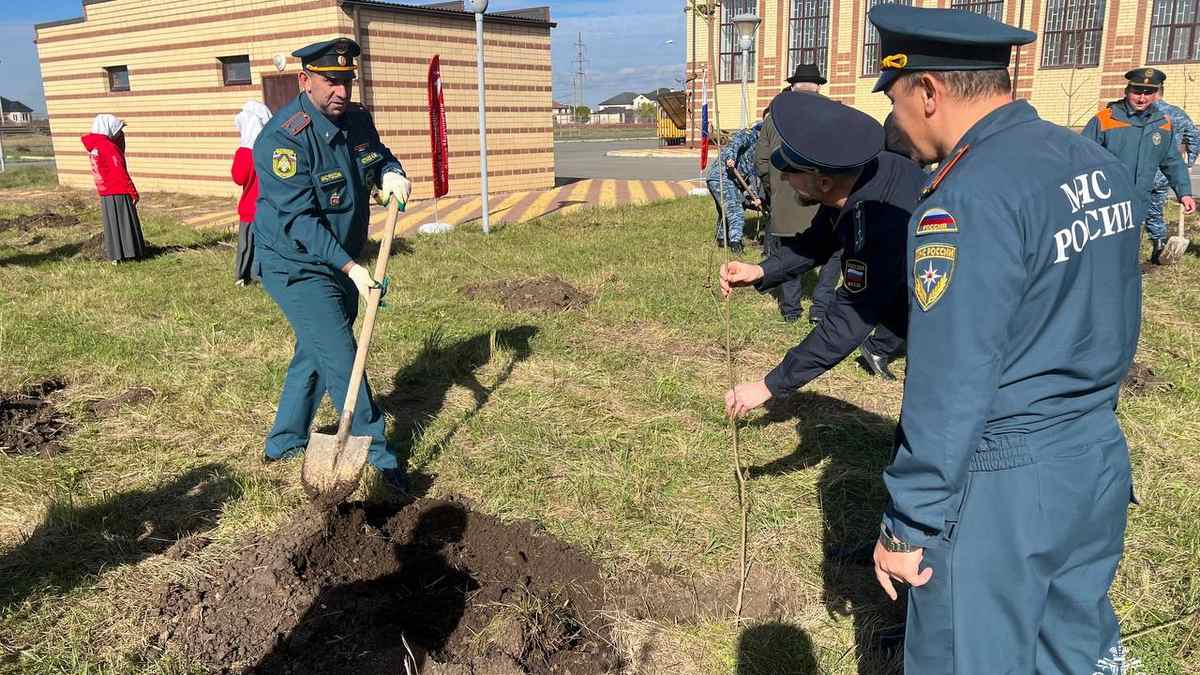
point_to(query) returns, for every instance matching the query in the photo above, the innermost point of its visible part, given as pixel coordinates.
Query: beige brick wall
(1064, 96)
(181, 135)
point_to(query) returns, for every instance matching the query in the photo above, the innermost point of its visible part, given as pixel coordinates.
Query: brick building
(1084, 48)
(177, 71)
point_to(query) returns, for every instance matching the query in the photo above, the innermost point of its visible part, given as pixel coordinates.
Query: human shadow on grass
(75, 542)
(852, 446)
(88, 251)
(420, 389)
(775, 648)
(362, 627)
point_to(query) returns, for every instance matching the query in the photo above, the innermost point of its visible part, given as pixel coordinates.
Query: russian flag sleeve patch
(937, 221)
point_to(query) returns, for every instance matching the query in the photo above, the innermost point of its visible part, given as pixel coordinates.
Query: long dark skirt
(243, 261)
(122, 229)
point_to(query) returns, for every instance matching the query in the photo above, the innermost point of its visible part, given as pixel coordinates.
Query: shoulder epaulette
(296, 123)
(947, 167)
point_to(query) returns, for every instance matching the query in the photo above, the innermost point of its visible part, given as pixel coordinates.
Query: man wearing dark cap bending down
(1011, 478)
(317, 161)
(832, 155)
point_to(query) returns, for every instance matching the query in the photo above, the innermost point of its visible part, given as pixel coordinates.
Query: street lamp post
(479, 7)
(746, 26)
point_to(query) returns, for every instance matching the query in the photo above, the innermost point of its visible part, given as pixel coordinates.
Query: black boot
(736, 247)
(875, 364)
(1156, 252)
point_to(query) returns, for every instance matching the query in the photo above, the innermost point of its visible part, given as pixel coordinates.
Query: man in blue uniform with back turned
(317, 161)
(1145, 138)
(831, 154)
(1011, 479)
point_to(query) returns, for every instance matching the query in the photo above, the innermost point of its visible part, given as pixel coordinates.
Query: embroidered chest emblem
(1157, 138)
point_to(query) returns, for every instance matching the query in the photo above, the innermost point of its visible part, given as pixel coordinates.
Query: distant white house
(614, 115)
(15, 112)
(627, 99)
(562, 113)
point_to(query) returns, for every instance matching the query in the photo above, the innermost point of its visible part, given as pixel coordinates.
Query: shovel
(1176, 245)
(334, 464)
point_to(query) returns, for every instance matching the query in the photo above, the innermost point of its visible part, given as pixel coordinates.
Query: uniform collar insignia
(947, 167)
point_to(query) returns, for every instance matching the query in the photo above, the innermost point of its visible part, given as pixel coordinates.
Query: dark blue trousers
(321, 309)
(1022, 571)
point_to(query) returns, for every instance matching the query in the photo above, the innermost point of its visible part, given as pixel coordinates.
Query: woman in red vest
(249, 123)
(118, 197)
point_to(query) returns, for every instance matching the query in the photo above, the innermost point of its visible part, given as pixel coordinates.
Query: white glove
(397, 185)
(362, 280)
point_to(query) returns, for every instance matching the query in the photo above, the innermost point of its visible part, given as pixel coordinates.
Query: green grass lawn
(598, 133)
(24, 144)
(603, 424)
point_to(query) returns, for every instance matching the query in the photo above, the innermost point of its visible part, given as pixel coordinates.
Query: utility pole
(577, 80)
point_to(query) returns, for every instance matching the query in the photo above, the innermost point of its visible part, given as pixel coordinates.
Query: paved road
(584, 159)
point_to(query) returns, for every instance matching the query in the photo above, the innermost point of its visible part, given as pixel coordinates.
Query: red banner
(438, 145)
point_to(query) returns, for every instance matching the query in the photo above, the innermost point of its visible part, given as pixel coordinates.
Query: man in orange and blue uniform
(1144, 137)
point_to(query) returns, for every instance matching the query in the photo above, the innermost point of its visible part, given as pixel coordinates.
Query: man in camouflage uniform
(1188, 137)
(738, 154)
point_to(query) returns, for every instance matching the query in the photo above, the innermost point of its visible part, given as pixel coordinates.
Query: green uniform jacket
(788, 216)
(315, 179)
(1145, 142)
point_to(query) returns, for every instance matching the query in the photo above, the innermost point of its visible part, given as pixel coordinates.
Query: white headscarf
(250, 122)
(109, 125)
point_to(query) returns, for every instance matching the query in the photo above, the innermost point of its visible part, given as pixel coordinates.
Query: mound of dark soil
(1141, 379)
(93, 248)
(334, 592)
(547, 294)
(39, 221)
(29, 422)
(131, 396)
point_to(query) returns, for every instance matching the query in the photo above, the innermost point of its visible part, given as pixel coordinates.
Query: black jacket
(872, 228)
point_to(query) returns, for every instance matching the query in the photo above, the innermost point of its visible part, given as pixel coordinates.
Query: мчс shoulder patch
(933, 267)
(283, 162)
(936, 221)
(854, 276)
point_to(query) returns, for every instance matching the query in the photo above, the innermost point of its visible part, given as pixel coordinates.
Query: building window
(1174, 33)
(809, 30)
(871, 54)
(731, 51)
(990, 8)
(235, 69)
(118, 78)
(1073, 32)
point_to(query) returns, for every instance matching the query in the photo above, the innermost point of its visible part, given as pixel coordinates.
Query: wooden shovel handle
(364, 337)
(1182, 218)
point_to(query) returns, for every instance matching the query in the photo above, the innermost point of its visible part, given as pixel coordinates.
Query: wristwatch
(893, 543)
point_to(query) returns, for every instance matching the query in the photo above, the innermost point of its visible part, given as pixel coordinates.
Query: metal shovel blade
(1174, 250)
(331, 472)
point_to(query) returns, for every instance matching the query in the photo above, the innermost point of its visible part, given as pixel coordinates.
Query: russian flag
(704, 126)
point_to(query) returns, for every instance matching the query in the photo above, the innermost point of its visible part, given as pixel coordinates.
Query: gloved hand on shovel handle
(363, 281)
(394, 184)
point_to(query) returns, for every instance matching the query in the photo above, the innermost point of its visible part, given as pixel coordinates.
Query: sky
(625, 51)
